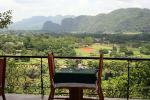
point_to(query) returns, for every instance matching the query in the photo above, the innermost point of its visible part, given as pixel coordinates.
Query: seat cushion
(68, 85)
(87, 78)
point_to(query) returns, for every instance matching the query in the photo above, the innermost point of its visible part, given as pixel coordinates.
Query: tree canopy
(5, 19)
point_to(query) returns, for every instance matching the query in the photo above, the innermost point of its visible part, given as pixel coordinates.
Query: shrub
(129, 53)
(105, 51)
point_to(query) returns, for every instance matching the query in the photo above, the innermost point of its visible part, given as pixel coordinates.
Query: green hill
(130, 20)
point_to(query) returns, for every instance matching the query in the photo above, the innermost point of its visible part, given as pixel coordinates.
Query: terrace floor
(38, 97)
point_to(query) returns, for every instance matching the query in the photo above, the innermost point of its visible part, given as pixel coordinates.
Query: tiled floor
(38, 97)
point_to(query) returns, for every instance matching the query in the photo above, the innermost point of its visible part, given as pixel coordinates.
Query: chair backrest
(51, 65)
(100, 67)
(2, 72)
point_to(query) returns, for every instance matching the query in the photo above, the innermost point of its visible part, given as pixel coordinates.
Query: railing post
(42, 90)
(128, 86)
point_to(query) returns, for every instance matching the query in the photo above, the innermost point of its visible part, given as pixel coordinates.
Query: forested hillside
(130, 19)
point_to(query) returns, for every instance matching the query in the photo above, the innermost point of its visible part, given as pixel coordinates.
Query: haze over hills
(36, 22)
(130, 19)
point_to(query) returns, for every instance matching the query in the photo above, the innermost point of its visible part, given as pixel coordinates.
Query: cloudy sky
(28, 8)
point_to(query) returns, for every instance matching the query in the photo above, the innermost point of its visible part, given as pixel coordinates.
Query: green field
(97, 46)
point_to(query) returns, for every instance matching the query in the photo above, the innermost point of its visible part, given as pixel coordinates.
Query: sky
(28, 8)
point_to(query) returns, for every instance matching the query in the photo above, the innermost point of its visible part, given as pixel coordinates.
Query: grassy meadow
(93, 50)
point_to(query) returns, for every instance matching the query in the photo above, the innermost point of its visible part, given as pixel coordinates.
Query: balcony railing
(129, 77)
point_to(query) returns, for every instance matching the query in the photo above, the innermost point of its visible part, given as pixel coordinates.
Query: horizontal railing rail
(68, 57)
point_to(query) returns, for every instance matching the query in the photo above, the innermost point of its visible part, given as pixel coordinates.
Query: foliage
(145, 49)
(114, 49)
(140, 79)
(71, 63)
(62, 45)
(5, 19)
(118, 21)
(105, 51)
(88, 40)
(123, 48)
(115, 87)
(30, 44)
(33, 73)
(92, 64)
(10, 76)
(129, 53)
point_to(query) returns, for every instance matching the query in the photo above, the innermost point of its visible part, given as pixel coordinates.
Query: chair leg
(51, 96)
(100, 93)
(3, 96)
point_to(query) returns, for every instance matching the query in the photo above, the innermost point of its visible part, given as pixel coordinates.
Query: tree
(5, 19)
(105, 51)
(62, 47)
(145, 49)
(123, 48)
(8, 47)
(88, 40)
(129, 53)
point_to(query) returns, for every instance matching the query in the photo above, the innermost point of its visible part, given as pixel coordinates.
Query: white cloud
(27, 8)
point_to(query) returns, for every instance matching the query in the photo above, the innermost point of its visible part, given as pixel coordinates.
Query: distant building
(97, 40)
